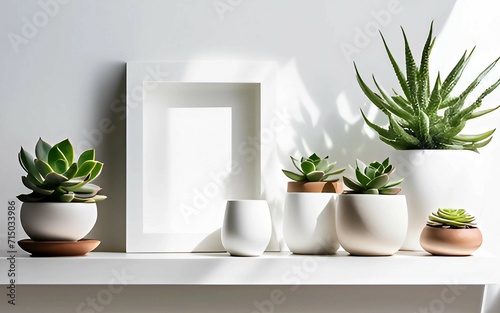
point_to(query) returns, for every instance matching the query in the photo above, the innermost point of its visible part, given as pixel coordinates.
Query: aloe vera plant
(425, 116)
(55, 176)
(313, 169)
(373, 179)
(451, 218)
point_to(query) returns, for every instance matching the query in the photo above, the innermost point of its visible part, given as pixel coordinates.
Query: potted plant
(426, 119)
(62, 204)
(371, 217)
(309, 217)
(451, 232)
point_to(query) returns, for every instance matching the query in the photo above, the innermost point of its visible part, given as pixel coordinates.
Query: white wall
(66, 76)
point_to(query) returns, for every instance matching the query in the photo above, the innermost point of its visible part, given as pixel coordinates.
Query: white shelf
(279, 268)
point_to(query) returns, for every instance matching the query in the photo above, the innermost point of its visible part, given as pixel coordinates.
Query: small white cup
(247, 227)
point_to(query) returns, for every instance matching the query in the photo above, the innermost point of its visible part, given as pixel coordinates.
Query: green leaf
(42, 150)
(362, 178)
(60, 166)
(411, 74)
(35, 188)
(294, 176)
(481, 113)
(402, 134)
(53, 180)
(378, 182)
(307, 167)
(399, 74)
(372, 191)
(435, 99)
(330, 167)
(391, 105)
(322, 165)
(54, 156)
(455, 74)
(88, 155)
(374, 98)
(396, 144)
(394, 183)
(86, 168)
(66, 148)
(67, 197)
(390, 191)
(43, 168)
(381, 131)
(32, 197)
(88, 189)
(474, 138)
(352, 184)
(423, 82)
(70, 173)
(315, 176)
(28, 164)
(424, 129)
(295, 163)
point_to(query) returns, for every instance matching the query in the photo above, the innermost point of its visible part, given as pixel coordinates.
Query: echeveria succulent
(451, 218)
(313, 169)
(55, 176)
(373, 179)
(429, 116)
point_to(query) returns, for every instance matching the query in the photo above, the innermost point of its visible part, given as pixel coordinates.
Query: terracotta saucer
(58, 248)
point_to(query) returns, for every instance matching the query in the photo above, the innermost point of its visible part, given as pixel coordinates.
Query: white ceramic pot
(247, 228)
(58, 221)
(371, 224)
(436, 179)
(309, 223)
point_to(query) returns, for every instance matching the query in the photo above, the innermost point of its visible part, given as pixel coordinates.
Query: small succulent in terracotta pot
(315, 175)
(451, 232)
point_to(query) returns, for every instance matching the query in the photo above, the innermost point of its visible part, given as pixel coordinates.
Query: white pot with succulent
(425, 128)
(372, 218)
(309, 217)
(62, 204)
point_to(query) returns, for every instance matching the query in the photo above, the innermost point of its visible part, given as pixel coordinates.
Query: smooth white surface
(175, 203)
(431, 181)
(247, 227)
(272, 268)
(58, 221)
(309, 223)
(371, 224)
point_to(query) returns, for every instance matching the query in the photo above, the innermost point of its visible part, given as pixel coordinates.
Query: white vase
(309, 223)
(247, 228)
(436, 179)
(58, 221)
(371, 224)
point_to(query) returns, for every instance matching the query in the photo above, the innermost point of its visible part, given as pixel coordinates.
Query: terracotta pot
(450, 241)
(330, 187)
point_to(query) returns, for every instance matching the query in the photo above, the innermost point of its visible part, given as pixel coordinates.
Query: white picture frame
(187, 123)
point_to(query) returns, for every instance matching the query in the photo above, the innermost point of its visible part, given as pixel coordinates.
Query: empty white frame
(193, 142)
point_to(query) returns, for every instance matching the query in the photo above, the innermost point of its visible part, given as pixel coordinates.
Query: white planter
(247, 228)
(309, 223)
(371, 224)
(55, 221)
(436, 179)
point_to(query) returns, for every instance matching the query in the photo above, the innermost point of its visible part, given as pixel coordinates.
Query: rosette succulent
(55, 176)
(451, 218)
(425, 116)
(373, 179)
(313, 169)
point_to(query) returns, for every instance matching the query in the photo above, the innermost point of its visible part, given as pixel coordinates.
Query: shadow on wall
(337, 128)
(107, 135)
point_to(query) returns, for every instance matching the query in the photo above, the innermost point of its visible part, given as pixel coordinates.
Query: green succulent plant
(313, 169)
(451, 218)
(373, 179)
(428, 118)
(53, 176)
